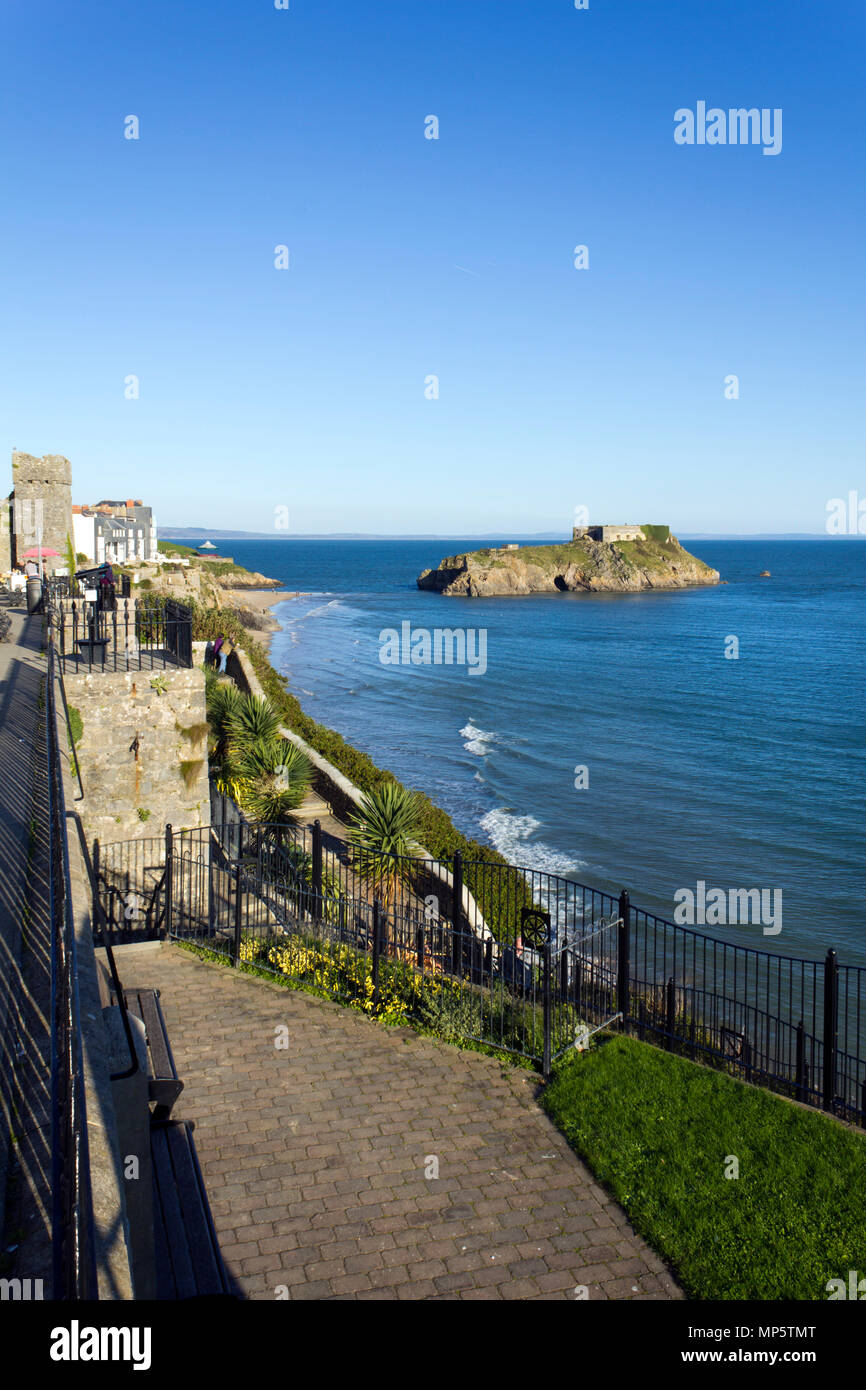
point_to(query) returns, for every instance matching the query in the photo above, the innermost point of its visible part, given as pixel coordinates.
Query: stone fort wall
(42, 500)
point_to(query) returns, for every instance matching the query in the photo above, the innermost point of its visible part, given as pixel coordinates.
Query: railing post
(95, 858)
(670, 1011)
(622, 960)
(801, 1061)
(374, 972)
(239, 890)
(747, 1059)
(831, 1027)
(546, 955)
(457, 915)
(317, 868)
(169, 879)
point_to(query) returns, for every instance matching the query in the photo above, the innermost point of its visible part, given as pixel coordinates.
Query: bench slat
(157, 1037)
(167, 1208)
(196, 1211)
(164, 1086)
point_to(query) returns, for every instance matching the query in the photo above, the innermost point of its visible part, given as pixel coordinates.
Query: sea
(651, 741)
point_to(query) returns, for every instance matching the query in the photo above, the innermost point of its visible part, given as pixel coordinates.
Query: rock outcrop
(659, 562)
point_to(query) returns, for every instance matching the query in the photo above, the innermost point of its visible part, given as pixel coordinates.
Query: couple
(221, 651)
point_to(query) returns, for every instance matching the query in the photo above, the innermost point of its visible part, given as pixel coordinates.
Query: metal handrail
(76, 761)
(74, 1261)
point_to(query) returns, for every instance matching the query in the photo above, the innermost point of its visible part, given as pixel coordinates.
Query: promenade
(318, 1155)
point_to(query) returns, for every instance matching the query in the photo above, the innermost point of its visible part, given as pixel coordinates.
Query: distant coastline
(196, 534)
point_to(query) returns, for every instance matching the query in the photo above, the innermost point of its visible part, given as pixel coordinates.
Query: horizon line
(190, 533)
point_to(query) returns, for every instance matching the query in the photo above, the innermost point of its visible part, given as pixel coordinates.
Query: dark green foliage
(656, 533)
(381, 833)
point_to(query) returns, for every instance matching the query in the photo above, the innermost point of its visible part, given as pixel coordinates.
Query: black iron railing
(74, 1268)
(119, 634)
(531, 964)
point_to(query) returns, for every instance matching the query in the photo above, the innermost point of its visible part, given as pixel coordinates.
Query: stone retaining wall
(143, 751)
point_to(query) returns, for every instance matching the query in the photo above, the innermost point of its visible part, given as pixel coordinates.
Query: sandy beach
(253, 607)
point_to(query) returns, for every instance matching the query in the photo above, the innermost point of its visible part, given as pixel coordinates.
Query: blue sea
(741, 773)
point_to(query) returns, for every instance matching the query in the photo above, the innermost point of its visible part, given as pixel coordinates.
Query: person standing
(227, 646)
(107, 595)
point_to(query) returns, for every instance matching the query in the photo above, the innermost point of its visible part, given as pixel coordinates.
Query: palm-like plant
(266, 774)
(381, 835)
(223, 703)
(274, 778)
(254, 721)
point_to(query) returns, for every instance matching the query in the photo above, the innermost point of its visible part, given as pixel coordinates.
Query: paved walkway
(316, 1156)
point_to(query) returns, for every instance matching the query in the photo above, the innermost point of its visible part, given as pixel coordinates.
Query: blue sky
(559, 388)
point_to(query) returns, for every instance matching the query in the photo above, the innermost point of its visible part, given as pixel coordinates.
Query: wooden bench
(164, 1086)
(187, 1253)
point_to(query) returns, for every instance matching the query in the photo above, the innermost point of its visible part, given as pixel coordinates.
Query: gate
(579, 980)
(130, 878)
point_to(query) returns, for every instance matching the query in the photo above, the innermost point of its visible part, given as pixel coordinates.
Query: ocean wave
(477, 740)
(511, 834)
(324, 608)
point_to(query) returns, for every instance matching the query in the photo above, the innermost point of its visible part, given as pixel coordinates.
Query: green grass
(557, 557)
(656, 555)
(175, 548)
(658, 1131)
(215, 567)
(76, 725)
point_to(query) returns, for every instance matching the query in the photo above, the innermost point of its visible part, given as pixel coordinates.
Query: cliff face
(659, 562)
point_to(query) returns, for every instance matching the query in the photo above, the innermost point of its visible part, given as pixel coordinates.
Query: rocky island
(598, 559)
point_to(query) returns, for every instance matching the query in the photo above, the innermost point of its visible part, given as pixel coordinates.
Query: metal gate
(580, 977)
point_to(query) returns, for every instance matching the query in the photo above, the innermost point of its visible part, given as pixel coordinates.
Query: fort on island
(596, 559)
(608, 533)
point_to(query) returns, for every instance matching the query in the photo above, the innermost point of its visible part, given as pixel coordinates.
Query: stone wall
(142, 752)
(5, 535)
(42, 489)
(608, 533)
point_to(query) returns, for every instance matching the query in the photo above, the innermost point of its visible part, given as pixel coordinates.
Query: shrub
(381, 834)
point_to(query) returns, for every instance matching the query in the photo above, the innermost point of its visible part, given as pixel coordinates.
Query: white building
(124, 539)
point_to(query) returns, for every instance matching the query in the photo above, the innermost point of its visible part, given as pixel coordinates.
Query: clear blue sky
(558, 388)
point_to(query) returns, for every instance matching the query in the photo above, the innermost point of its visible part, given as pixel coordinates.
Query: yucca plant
(253, 721)
(381, 833)
(274, 777)
(223, 703)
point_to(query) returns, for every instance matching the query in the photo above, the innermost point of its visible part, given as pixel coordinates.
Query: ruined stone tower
(41, 503)
(5, 535)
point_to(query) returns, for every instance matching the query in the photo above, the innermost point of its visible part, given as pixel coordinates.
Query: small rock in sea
(765, 574)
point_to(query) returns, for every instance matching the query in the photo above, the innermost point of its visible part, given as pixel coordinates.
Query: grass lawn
(657, 1130)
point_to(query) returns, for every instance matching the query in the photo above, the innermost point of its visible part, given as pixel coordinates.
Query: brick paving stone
(314, 1157)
